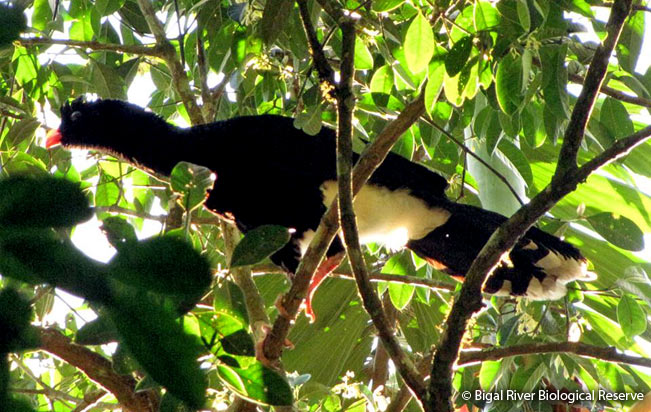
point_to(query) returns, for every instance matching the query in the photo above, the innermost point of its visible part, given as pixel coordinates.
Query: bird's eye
(75, 116)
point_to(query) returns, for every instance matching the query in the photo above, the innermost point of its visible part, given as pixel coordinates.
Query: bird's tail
(538, 267)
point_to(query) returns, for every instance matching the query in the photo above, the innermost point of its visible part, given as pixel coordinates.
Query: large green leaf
(507, 83)
(274, 19)
(37, 256)
(458, 56)
(618, 230)
(258, 244)
(419, 44)
(160, 346)
(162, 264)
(42, 202)
(257, 383)
(631, 316)
(615, 118)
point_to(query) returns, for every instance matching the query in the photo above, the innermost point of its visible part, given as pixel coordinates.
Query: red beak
(53, 138)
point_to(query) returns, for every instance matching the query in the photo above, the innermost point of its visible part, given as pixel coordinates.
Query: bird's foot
(325, 268)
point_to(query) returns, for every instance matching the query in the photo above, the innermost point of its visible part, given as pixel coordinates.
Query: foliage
(501, 77)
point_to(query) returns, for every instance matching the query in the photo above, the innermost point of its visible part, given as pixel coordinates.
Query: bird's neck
(157, 147)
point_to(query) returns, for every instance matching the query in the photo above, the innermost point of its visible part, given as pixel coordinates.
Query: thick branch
(372, 304)
(506, 236)
(154, 50)
(168, 53)
(590, 91)
(609, 354)
(100, 370)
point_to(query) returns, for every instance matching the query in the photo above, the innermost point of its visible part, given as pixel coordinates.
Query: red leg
(325, 268)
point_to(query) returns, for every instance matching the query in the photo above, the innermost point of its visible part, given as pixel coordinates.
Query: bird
(270, 172)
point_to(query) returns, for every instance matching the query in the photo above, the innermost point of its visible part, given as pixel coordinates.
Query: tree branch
(323, 68)
(609, 354)
(100, 370)
(615, 94)
(154, 50)
(372, 304)
(469, 301)
(168, 54)
(242, 277)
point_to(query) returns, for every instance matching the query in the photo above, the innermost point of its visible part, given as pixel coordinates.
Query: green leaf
(401, 294)
(108, 191)
(229, 299)
(380, 6)
(163, 264)
(118, 231)
(458, 56)
(363, 57)
(99, 331)
(615, 118)
(419, 44)
(107, 82)
(523, 14)
(13, 21)
(435, 77)
(519, 160)
(258, 244)
(238, 343)
(42, 202)
(22, 130)
(508, 88)
(631, 316)
(618, 230)
(382, 80)
(257, 383)
(170, 403)
(274, 19)
(82, 29)
(42, 14)
(161, 347)
(555, 80)
(629, 47)
(488, 374)
(15, 316)
(193, 181)
(486, 16)
(38, 256)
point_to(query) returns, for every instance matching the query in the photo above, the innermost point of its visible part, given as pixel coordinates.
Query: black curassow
(269, 172)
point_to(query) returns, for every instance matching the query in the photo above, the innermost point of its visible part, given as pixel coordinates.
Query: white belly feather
(389, 217)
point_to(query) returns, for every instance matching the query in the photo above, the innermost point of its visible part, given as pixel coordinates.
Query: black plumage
(269, 172)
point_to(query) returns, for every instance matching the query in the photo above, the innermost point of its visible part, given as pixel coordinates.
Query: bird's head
(101, 124)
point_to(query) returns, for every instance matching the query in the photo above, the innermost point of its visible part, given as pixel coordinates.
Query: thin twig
(168, 54)
(476, 157)
(323, 68)
(154, 50)
(609, 354)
